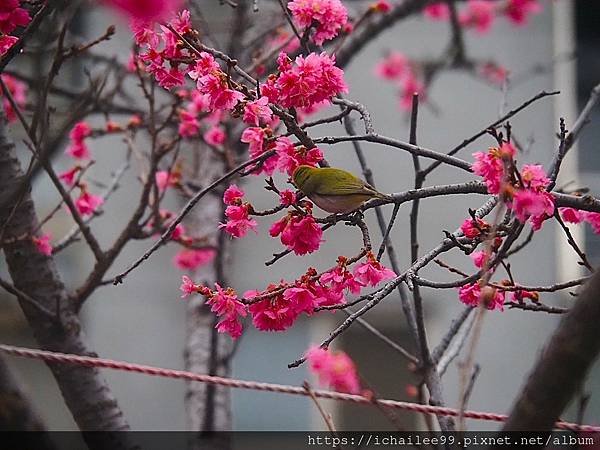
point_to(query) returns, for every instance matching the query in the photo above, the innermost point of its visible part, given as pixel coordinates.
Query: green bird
(334, 190)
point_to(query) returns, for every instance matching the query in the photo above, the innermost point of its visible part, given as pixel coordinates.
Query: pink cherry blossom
(571, 215)
(469, 294)
(491, 168)
(231, 326)
(272, 314)
(18, 90)
(278, 226)
(87, 203)
(472, 229)
(528, 202)
(520, 295)
(326, 296)
(328, 15)
(12, 16)
(69, 176)
(437, 11)
(215, 136)
(392, 66)
(382, 6)
(593, 218)
(310, 80)
(334, 369)
(217, 90)
(112, 127)
(187, 286)
(143, 33)
(192, 259)
(258, 110)
(301, 299)
(205, 65)
(290, 157)
(145, 10)
(225, 304)
(164, 179)
(518, 11)
(472, 294)
(168, 78)
(182, 22)
(78, 150)
(506, 151)
(478, 258)
(534, 176)
(287, 197)
(301, 234)
(233, 195)
(6, 43)
(188, 124)
(340, 279)
(42, 244)
(479, 14)
(178, 233)
(238, 221)
(199, 103)
(255, 137)
(372, 272)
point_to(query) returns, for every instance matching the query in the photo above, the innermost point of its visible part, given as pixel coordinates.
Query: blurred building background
(142, 320)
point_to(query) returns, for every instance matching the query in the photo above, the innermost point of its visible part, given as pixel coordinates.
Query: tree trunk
(206, 351)
(85, 392)
(562, 366)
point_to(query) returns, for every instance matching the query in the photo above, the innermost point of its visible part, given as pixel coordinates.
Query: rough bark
(85, 392)
(562, 367)
(206, 351)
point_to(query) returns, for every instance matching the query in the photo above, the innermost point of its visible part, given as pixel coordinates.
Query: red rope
(88, 361)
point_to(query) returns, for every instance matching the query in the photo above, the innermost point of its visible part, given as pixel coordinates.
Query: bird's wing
(339, 182)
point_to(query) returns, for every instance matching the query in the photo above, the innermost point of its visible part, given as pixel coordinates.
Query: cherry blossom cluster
(298, 232)
(524, 191)
(287, 156)
(492, 297)
(397, 68)
(237, 213)
(87, 203)
(572, 215)
(327, 17)
(480, 14)
(12, 16)
(161, 51)
(195, 118)
(279, 305)
(306, 81)
(189, 257)
(334, 369)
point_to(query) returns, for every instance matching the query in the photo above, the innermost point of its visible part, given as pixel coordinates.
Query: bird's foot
(355, 217)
